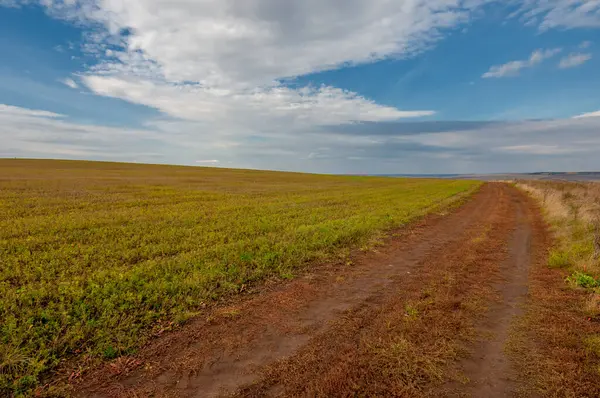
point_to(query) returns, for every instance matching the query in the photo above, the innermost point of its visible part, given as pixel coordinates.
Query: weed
(592, 306)
(12, 361)
(582, 280)
(110, 352)
(592, 345)
(558, 259)
(411, 311)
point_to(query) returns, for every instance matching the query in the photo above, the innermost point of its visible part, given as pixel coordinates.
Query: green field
(94, 256)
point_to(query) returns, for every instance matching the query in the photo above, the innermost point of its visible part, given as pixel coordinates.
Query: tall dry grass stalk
(573, 210)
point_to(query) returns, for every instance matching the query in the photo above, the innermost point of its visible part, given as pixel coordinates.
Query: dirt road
(427, 314)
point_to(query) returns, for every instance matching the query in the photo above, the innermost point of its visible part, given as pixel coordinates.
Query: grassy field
(97, 257)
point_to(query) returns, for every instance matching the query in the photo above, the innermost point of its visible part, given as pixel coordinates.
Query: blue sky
(413, 86)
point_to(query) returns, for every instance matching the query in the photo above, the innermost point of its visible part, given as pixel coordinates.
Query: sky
(325, 86)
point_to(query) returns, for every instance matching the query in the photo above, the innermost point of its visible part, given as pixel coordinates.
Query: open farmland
(127, 280)
(97, 257)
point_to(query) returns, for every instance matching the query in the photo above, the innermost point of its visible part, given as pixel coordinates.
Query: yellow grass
(573, 210)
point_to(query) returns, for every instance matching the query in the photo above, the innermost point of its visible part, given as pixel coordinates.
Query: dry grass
(552, 199)
(550, 344)
(592, 306)
(95, 258)
(554, 344)
(573, 210)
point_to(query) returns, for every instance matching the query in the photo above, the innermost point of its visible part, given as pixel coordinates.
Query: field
(96, 258)
(128, 280)
(460, 303)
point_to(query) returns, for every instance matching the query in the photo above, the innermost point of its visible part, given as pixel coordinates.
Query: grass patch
(93, 256)
(573, 211)
(559, 259)
(592, 306)
(592, 345)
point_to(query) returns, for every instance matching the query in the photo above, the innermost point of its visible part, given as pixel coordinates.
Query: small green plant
(558, 259)
(411, 311)
(110, 352)
(582, 280)
(25, 383)
(592, 345)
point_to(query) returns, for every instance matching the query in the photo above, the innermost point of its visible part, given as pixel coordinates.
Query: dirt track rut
(444, 290)
(488, 368)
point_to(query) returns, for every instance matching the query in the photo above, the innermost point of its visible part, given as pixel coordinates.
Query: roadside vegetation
(573, 210)
(557, 342)
(96, 258)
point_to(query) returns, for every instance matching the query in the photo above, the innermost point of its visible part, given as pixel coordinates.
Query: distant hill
(564, 176)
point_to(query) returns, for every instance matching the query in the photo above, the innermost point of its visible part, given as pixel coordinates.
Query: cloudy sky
(334, 86)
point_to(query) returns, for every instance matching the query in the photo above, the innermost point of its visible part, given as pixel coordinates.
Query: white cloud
(15, 111)
(255, 42)
(537, 149)
(222, 73)
(13, 3)
(552, 14)
(513, 68)
(230, 65)
(585, 115)
(585, 44)
(251, 108)
(573, 60)
(47, 134)
(70, 83)
(491, 147)
(543, 140)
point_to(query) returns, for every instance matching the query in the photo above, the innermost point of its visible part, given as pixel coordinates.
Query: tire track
(489, 369)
